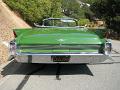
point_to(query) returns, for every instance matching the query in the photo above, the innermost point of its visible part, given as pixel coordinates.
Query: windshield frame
(43, 24)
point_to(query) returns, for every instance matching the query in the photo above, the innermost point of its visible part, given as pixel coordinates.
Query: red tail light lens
(15, 35)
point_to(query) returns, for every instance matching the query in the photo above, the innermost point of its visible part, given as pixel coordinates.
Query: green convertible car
(59, 40)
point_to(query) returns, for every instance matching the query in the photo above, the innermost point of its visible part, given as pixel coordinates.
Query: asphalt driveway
(104, 76)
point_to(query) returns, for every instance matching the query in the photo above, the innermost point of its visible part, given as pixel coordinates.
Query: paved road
(72, 77)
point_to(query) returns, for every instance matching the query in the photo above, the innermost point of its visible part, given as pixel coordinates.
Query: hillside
(8, 21)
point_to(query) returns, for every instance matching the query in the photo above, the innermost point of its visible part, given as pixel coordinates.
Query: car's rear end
(59, 45)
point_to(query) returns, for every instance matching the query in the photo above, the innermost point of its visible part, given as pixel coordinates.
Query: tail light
(15, 35)
(108, 48)
(12, 48)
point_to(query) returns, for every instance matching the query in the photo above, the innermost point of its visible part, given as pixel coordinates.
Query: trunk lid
(57, 36)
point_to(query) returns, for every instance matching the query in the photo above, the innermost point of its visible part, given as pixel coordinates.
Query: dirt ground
(8, 22)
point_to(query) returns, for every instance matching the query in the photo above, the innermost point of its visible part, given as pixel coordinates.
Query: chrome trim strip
(61, 47)
(81, 54)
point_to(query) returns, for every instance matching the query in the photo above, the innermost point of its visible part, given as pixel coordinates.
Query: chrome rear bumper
(74, 58)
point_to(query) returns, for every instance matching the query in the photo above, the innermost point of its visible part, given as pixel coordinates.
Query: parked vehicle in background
(59, 40)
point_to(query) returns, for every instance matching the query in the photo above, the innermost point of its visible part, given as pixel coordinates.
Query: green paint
(58, 36)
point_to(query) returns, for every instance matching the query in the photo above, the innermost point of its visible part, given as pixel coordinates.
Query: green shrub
(109, 11)
(35, 10)
(83, 22)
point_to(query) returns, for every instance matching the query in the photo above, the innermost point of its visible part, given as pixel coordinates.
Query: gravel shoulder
(8, 21)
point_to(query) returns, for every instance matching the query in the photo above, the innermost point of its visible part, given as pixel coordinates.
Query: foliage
(109, 11)
(56, 10)
(71, 8)
(83, 22)
(68, 9)
(88, 1)
(35, 10)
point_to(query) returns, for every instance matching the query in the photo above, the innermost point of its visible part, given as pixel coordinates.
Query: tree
(76, 9)
(109, 11)
(56, 10)
(35, 10)
(88, 1)
(71, 8)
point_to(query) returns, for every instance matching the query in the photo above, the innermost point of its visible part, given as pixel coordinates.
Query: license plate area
(60, 58)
